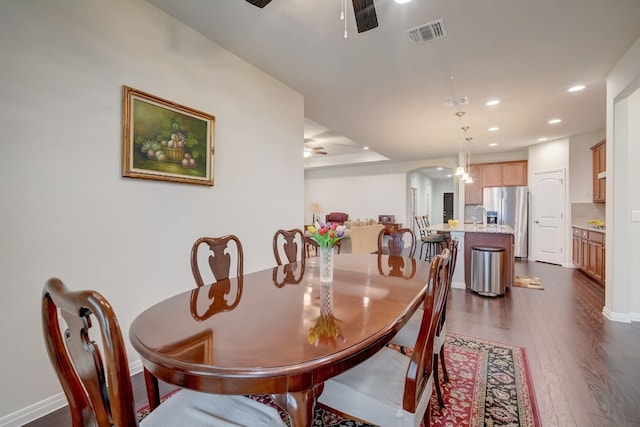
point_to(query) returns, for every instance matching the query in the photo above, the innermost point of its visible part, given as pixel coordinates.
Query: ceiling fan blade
(365, 13)
(259, 3)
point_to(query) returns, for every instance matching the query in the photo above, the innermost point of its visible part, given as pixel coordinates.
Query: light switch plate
(635, 216)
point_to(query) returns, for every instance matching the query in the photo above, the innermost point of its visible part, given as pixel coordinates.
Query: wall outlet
(635, 216)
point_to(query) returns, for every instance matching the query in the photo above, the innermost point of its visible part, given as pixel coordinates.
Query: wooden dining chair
(219, 258)
(291, 244)
(95, 374)
(397, 238)
(391, 388)
(407, 335)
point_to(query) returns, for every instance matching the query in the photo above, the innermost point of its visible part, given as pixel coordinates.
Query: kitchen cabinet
(589, 252)
(505, 174)
(492, 175)
(473, 192)
(599, 171)
(514, 174)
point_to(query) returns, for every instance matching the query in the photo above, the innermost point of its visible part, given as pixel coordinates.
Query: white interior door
(548, 216)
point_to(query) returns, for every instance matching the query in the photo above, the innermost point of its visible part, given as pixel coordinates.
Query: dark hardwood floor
(585, 368)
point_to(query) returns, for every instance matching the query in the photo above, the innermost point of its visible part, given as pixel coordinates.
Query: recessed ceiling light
(402, 1)
(542, 139)
(576, 88)
(493, 129)
(554, 121)
(493, 144)
(365, 148)
(439, 168)
(492, 102)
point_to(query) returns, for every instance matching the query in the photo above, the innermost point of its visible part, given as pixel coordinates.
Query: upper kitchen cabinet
(600, 171)
(514, 174)
(506, 174)
(492, 174)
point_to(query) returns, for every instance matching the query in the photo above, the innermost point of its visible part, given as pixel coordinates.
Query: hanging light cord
(343, 16)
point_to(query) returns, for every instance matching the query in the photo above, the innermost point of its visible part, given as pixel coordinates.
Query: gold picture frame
(165, 141)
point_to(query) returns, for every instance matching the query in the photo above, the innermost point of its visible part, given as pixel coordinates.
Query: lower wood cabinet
(589, 252)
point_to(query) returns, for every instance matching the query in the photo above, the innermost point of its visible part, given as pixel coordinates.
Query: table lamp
(314, 208)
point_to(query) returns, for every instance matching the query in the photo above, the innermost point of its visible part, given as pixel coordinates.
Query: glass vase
(326, 264)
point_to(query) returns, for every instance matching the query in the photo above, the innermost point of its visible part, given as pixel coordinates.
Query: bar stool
(435, 242)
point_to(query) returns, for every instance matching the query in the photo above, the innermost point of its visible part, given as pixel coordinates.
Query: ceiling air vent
(427, 32)
(454, 102)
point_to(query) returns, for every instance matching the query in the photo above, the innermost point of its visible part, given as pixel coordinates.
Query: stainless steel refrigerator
(512, 207)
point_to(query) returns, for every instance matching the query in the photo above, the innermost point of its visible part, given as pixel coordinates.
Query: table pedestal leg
(300, 405)
(153, 392)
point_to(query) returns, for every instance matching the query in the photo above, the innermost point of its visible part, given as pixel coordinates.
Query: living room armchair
(337, 217)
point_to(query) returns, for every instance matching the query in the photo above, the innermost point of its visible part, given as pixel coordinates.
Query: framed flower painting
(165, 141)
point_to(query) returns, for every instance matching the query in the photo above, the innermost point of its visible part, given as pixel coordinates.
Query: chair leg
(427, 415)
(445, 375)
(436, 381)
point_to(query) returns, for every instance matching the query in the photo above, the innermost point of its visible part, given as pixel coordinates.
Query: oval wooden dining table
(279, 331)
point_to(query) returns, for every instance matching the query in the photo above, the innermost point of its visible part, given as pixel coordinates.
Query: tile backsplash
(583, 212)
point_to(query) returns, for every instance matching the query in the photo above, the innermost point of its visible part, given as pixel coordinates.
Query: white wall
(622, 293)
(424, 197)
(67, 212)
(633, 120)
(581, 166)
(359, 196)
(441, 186)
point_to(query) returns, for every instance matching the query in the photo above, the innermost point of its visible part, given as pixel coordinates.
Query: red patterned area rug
(489, 385)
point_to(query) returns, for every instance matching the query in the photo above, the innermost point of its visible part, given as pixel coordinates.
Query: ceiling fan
(312, 151)
(364, 11)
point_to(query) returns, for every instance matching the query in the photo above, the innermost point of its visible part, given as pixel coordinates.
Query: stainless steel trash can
(487, 270)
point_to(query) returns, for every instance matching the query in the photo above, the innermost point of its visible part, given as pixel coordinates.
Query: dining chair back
(396, 244)
(291, 244)
(218, 257)
(95, 375)
(391, 388)
(407, 335)
(441, 332)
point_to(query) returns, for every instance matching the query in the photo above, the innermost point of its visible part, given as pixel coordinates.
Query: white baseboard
(635, 317)
(35, 411)
(616, 317)
(458, 285)
(46, 406)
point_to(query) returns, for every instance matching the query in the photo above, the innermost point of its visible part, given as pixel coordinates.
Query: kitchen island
(470, 235)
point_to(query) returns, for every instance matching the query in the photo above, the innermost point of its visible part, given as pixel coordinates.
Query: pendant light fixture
(462, 158)
(464, 155)
(469, 179)
(465, 172)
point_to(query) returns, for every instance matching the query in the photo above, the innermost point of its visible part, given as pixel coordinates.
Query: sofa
(361, 236)
(364, 239)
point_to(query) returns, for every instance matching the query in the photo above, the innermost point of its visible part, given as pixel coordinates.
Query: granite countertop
(589, 227)
(470, 228)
